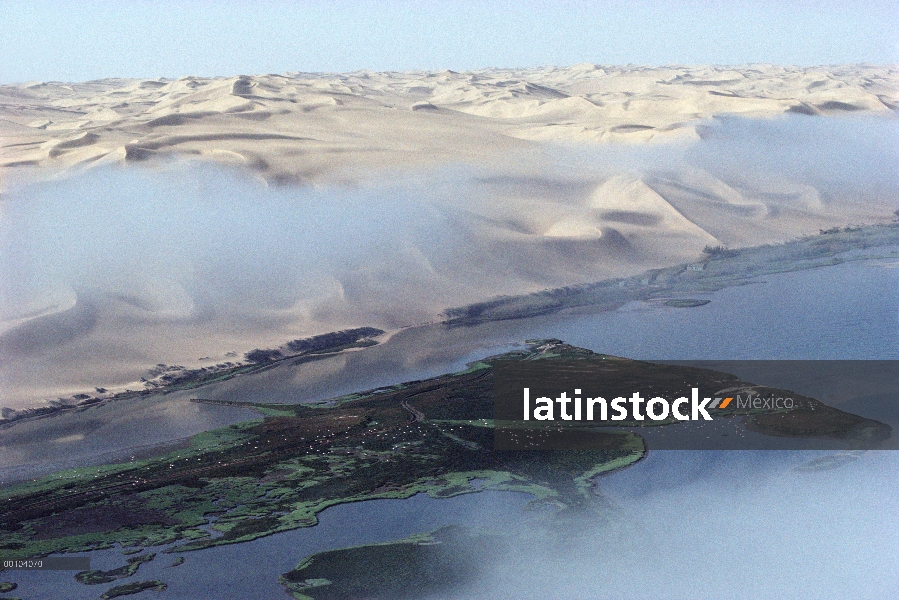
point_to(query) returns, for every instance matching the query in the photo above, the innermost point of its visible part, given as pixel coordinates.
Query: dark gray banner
(694, 405)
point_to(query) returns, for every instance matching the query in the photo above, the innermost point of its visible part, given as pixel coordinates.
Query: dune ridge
(194, 219)
(307, 127)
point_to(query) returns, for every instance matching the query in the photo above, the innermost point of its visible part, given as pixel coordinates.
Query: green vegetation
(133, 588)
(260, 355)
(685, 302)
(719, 251)
(421, 566)
(331, 341)
(7, 586)
(94, 576)
(277, 473)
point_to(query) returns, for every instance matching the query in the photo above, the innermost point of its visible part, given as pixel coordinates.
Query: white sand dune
(386, 198)
(325, 127)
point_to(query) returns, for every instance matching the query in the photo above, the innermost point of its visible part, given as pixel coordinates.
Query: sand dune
(317, 202)
(304, 127)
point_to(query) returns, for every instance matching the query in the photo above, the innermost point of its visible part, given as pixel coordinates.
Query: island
(135, 587)
(277, 473)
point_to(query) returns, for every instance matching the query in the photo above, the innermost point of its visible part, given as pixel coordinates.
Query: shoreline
(172, 379)
(719, 268)
(275, 474)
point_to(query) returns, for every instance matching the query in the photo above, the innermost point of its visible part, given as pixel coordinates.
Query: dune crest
(384, 199)
(304, 127)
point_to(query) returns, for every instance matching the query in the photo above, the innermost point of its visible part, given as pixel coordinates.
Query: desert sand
(303, 127)
(513, 181)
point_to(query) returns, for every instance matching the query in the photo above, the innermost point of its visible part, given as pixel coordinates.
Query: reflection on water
(114, 432)
(783, 316)
(724, 525)
(109, 271)
(250, 570)
(818, 533)
(849, 311)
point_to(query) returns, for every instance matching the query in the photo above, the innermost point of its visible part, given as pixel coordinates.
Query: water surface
(847, 311)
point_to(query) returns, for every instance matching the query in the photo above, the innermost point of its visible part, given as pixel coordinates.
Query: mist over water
(724, 525)
(105, 273)
(108, 272)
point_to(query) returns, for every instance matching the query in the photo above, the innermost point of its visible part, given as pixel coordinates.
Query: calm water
(250, 571)
(846, 311)
(850, 311)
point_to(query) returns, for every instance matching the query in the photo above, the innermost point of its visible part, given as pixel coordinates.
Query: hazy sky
(80, 40)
